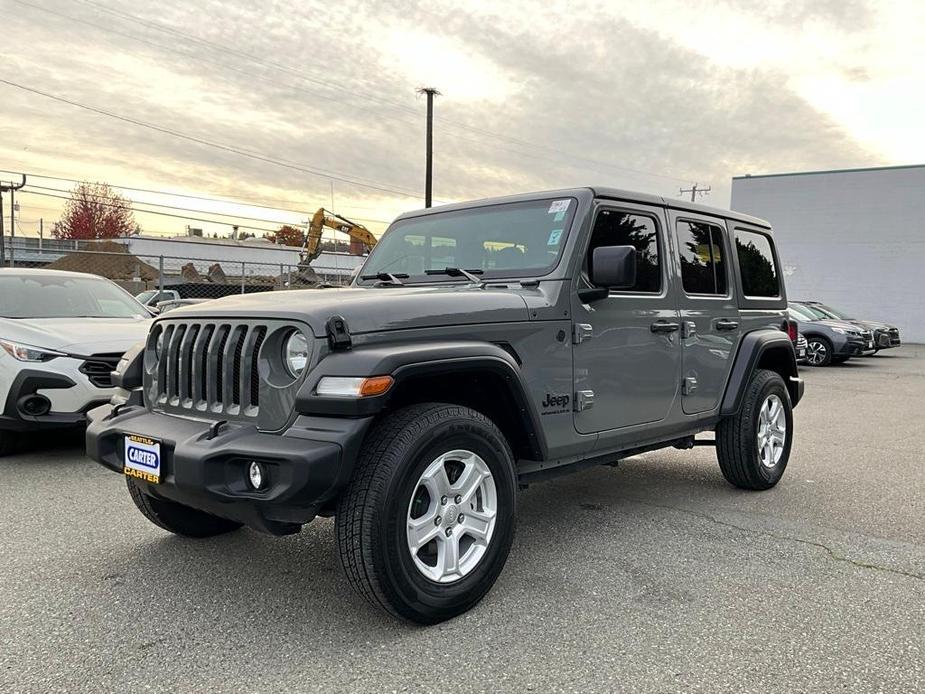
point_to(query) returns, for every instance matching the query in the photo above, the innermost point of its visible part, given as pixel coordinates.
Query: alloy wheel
(451, 517)
(772, 431)
(816, 352)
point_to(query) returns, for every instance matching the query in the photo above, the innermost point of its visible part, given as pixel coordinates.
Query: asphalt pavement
(655, 576)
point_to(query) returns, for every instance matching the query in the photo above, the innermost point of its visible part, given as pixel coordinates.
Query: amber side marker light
(353, 387)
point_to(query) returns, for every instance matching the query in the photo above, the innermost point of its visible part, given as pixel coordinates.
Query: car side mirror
(612, 267)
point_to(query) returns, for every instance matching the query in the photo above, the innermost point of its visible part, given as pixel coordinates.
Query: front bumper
(308, 464)
(68, 393)
(853, 347)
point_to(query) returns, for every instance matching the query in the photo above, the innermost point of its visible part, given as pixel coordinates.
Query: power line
(221, 198)
(216, 145)
(220, 214)
(570, 157)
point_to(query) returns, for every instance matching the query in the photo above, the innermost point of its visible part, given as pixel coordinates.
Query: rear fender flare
(752, 348)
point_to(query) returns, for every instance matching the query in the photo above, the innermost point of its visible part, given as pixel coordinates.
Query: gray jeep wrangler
(483, 345)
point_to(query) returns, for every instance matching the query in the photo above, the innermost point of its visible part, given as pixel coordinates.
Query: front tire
(753, 446)
(177, 518)
(818, 351)
(426, 524)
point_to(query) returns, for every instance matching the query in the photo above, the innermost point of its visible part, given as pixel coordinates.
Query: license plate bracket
(142, 458)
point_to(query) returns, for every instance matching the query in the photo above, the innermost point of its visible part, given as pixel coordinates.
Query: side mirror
(614, 267)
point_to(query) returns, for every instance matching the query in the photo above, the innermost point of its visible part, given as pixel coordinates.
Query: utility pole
(431, 92)
(693, 190)
(3, 188)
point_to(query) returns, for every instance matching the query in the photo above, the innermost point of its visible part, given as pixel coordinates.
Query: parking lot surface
(655, 576)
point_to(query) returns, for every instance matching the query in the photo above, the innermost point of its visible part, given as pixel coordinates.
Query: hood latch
(338, 333)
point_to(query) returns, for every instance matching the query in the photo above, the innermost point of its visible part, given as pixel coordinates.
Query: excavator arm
(311, 249)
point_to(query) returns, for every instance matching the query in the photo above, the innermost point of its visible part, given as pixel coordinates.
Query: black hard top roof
(600, 192)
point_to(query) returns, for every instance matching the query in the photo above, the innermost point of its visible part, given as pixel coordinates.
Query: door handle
(662, 326)
(726, 324)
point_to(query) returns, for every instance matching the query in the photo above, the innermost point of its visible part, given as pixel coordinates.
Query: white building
(852, 238)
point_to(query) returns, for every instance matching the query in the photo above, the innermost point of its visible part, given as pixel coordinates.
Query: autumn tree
(287, 235)
(95, 211)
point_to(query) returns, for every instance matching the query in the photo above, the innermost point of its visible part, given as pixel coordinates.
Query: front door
(710, 328)
(626, 346)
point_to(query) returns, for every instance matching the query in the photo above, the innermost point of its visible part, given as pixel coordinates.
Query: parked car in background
(801, 347)
(885, 335)
(164, 306)
(61, 334)
(829, 341)
(152, 297)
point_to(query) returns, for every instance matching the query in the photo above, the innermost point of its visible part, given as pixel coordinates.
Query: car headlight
(295, 354)
(845, 331)
(23, 352)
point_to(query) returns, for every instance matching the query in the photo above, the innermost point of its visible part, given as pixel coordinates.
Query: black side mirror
(614, 267)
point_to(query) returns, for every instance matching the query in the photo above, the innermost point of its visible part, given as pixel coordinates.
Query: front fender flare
(403, 361)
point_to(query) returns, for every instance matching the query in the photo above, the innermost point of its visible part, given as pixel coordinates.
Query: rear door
(625, 367)
(710, 323)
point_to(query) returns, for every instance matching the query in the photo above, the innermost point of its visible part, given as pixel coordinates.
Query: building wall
(853, 239)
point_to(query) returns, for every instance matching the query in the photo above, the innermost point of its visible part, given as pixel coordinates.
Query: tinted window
(703, 267)
(513, 239)
(756, 263)
(612, 228)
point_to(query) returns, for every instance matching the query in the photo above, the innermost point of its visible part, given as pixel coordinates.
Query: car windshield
(830, 312)
(801, 312)
(507, 240)
(146, 295)
(61, 296)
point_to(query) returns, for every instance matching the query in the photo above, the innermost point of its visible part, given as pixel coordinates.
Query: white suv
(61, 333)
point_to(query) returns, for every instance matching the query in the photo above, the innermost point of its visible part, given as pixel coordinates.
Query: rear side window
(614, 228)
(756, 263)
(703, 265)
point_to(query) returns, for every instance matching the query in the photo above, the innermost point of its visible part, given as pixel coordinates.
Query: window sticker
(559, 216)
(554, 237)
(558, 206)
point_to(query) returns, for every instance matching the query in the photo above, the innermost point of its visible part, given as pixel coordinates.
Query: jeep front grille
(210, 367)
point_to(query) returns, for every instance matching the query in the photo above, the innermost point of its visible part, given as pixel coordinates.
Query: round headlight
(295, 353)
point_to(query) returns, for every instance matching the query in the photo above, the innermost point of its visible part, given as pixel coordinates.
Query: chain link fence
(181, 269)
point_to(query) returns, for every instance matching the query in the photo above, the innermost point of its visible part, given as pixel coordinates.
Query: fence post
(242, 276)
(160, 274)
(282, 282)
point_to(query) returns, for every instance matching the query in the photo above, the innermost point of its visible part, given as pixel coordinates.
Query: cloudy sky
(285, 103)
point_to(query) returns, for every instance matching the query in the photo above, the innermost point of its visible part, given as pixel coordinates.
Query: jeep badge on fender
(410, 405)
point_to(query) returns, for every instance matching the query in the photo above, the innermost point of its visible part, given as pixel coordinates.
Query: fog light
(256, 475)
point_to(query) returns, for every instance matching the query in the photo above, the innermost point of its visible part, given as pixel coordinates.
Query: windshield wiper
(458, 272)
(386, 277)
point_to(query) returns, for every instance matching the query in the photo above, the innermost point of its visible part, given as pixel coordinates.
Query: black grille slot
(208, 367)
(99, 367)
(261, 333)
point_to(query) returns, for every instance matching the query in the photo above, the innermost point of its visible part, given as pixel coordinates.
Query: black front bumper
(308, 464)
(853, 347)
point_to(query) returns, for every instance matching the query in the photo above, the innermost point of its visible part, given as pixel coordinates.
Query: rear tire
(433, 482)
(750, 446)
(177, 518)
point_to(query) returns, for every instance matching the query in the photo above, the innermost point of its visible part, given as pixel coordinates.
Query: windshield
(60, 296)
(829, 312)
(508, 240)
(146, 295)
(801, 312)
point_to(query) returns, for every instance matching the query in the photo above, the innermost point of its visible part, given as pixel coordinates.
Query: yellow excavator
(311, 249)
